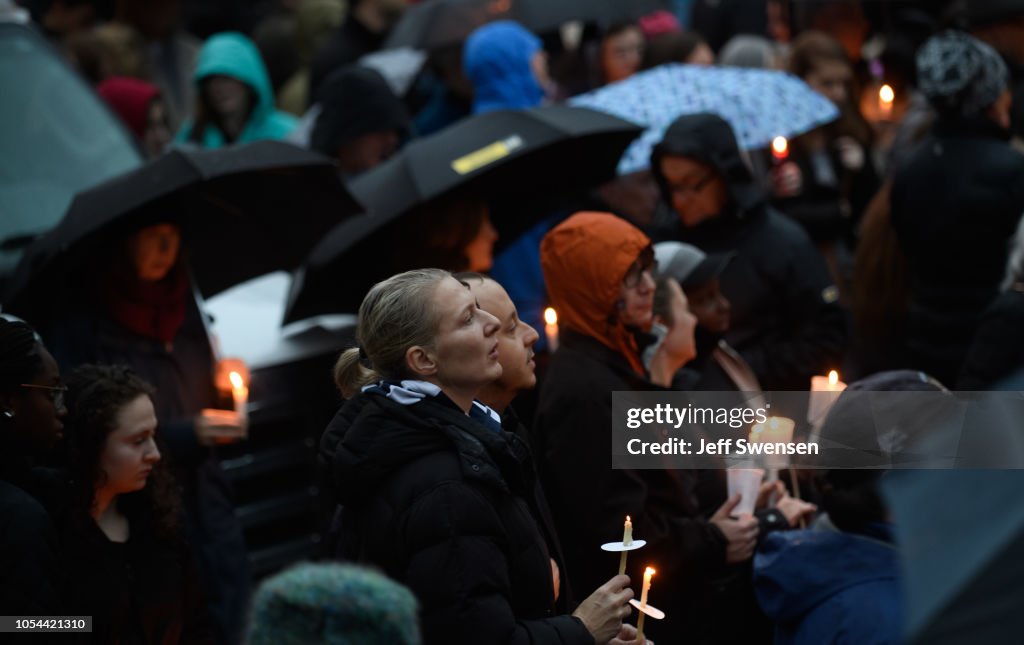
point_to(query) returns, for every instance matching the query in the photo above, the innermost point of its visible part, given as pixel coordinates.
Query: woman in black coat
(124, 560)
(956, 201)
(598, 271)
(433, 491)
(139, 310)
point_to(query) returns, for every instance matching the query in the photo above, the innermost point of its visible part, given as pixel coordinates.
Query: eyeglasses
(700, 185)
(636, 272)
(57, 393)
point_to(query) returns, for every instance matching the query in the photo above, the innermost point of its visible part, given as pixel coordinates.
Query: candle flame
(886, 94)
(780, 147)
(648, 572)
(236, 380)
(833, 377)
(551, 316)
(627, 519)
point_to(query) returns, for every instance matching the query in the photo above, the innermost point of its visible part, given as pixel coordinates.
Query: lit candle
(824, 392)
(627, 539)
(886, 97)
(551, 328)
(239, 393)
(773, 430)
(648, 572)
(780, 149)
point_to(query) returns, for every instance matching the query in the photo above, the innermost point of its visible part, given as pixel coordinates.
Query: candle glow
(780, 148)
(886, 97)
(551, 328)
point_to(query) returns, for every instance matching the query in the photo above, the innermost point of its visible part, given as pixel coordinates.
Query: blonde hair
(395, 315)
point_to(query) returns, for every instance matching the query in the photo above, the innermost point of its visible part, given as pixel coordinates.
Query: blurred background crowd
(689, 195)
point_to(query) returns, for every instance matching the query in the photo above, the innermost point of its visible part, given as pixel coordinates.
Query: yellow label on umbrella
(487, 155)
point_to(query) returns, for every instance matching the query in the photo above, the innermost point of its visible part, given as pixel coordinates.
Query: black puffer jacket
(955, 204)
(439, 503)
(786, 322)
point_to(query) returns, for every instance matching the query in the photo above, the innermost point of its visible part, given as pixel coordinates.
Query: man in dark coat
(956, 201)
(786, 322)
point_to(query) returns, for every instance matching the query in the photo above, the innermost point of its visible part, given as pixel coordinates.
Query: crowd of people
(469, 463)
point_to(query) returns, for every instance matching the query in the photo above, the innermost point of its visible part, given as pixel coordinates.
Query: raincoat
(232, 54)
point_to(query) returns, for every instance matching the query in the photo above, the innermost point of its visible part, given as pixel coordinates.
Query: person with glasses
(598, 269)
(31, 412)
(786, 322)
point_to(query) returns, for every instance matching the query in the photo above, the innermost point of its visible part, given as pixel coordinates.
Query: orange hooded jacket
(585, 259)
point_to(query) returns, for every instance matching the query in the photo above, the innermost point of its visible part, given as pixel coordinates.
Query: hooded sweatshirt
(786, 322)
(355, 101)
(585, 259)
(496, 60)
(232, 54)
(827, 586)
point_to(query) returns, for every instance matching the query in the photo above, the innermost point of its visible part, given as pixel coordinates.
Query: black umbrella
(435, 24)
(545, 15)
(244, 211)
(494, 157)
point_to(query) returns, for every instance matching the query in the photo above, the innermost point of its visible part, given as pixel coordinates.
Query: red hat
(130, 98)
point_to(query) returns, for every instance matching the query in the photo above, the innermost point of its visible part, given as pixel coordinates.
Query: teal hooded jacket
(232, 54)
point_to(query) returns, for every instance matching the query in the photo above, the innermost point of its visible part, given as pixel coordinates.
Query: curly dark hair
(96, 394)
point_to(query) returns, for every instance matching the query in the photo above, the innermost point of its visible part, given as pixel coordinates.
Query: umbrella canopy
(435, 24)
(244, 211)
(961, 532)
(545, 15)
(962, 536)
(501, 155)
(759, 104)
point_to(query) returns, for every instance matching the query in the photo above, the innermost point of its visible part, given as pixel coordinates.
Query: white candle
(239, 393)
(824, 392)
(886, 97)
(551, 328)
(773, 430)
(627, 532)
(648, 572)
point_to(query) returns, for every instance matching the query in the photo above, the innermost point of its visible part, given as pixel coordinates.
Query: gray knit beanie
(959, 74)
(332, 603)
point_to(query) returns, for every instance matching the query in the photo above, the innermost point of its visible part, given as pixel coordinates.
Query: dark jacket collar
(372, 437)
